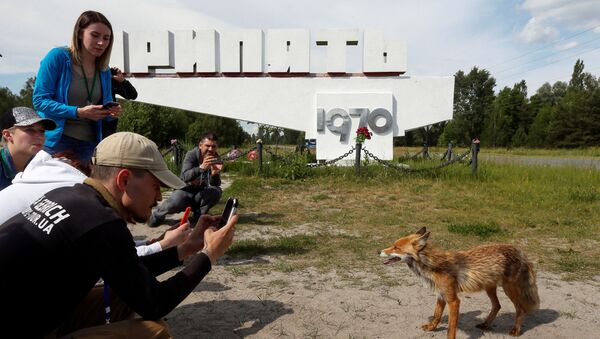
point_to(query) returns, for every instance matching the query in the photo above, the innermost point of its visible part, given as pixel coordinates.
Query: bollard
(259, 150)
(177, 155)
(474, 152)
(357, 158)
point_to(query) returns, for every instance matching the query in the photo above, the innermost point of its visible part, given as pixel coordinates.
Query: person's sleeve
(124, 89)
(144, 250)
(160, 262)
(111, 252)
(190, 169)
(129, 91)
(46, 84)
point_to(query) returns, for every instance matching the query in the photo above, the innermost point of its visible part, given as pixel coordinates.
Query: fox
(481, 268)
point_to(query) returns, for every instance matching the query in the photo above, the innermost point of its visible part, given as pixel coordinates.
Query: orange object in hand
(186, 214)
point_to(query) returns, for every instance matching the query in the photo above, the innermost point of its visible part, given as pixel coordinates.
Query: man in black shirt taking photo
(53, 253)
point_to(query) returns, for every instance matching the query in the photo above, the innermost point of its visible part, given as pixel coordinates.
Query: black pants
(200, 200)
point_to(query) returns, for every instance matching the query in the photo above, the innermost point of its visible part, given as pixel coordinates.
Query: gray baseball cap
(25, 116)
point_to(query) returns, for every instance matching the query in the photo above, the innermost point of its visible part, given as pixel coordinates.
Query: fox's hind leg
(491, 292)
(437, 315)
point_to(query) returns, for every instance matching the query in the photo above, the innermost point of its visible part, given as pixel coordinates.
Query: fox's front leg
(453, 310)
(437, 315)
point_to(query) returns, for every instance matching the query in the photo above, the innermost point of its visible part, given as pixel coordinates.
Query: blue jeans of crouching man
(201, 200)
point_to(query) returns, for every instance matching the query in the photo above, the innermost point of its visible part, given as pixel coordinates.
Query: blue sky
(534, 40)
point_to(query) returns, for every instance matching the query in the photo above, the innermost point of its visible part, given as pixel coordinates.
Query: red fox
(480, 268)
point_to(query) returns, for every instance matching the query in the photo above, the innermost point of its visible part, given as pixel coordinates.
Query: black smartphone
(110, 104)
(229, 211)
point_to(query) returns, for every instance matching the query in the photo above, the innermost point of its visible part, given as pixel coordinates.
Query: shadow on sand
(503, 323)
(224, 318)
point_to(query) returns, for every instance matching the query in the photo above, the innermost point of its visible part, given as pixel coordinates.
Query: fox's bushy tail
(530, 300)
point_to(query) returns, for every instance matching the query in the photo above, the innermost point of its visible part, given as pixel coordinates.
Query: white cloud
(568, 45)
(537, 30)
(574, 15)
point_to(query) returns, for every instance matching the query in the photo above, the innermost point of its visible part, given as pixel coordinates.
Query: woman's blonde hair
(85, 19)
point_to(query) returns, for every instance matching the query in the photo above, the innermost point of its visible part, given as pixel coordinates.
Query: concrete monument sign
(265, 77)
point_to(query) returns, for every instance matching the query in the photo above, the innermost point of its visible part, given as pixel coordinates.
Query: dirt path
(306, 304)
(234, 301)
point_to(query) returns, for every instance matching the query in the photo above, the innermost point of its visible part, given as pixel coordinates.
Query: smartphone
(110, 104)
(229, 211)
(217, 161)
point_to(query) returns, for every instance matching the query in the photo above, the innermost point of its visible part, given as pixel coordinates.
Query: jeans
(200, 201)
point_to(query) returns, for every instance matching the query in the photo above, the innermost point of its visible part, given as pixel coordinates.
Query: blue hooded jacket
(51, 91)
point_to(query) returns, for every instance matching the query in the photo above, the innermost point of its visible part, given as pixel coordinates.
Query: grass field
(532, 152)
(334, 219)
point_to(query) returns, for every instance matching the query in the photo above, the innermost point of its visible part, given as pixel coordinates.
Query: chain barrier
(275, 156)
(460, 158)
(332, 161)
(225, 158)
(414, 170)
(312, 165)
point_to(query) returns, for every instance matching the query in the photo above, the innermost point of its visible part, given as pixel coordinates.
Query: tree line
(561, 115)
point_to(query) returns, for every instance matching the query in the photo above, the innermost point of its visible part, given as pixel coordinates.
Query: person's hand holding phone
(175, 236)
(206, 234)
(114, 109)
(92, 112)
(213, 162)
(216, 242)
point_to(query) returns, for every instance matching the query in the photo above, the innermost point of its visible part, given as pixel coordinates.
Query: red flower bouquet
(363, 134)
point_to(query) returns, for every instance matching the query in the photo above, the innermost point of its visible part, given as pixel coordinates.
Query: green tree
(161, 124)
(510, 113)
(473, 100)
(7, 100)
(576, 121)
(26, 93)
(543, 105)
(228, 130)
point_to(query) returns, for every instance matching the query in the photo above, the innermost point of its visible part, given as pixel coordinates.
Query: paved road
(541, 161)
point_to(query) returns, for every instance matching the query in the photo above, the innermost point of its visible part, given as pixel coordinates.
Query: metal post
(425, 151)
(449, 152)
(474, 152)
(259, 150)
(176, 155)
(357, 158)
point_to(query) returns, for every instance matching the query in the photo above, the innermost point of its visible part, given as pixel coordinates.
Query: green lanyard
(7, 163)
(87, 87)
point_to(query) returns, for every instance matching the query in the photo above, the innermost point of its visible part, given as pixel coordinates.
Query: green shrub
(480, 230)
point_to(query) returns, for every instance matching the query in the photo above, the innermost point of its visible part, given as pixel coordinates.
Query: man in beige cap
(53, 253)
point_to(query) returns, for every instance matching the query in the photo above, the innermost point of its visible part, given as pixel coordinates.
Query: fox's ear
(421, 231)
(421, 242)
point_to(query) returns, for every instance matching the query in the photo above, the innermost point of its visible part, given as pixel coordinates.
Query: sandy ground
(354, 304)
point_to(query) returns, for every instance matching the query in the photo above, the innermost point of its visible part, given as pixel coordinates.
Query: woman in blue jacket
(73, 84)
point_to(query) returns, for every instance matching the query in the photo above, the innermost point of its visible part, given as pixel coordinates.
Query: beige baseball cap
(131, 150)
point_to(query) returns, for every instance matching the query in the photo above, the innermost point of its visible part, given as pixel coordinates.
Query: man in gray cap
(23, 132)
(53, 253)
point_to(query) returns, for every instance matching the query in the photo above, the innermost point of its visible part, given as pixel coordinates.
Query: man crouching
(53, 253)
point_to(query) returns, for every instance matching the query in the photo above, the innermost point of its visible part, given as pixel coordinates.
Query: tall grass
(546, 211)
